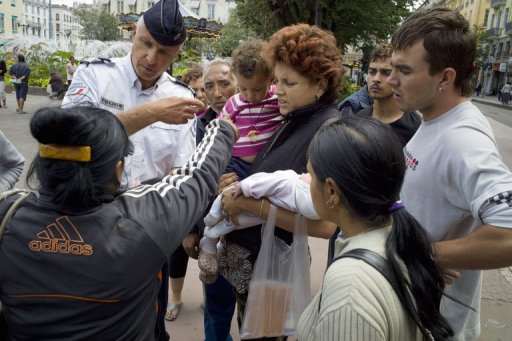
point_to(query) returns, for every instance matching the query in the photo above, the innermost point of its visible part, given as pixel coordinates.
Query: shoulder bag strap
(14, 206)
(380, 264)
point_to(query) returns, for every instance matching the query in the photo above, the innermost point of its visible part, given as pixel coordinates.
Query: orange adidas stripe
(78, 298)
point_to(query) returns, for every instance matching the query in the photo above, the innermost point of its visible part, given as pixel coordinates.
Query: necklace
(253, 133)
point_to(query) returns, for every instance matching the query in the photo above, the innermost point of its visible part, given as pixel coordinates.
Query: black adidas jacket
(94, 275)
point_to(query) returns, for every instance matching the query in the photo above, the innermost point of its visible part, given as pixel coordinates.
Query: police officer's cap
(165, 23)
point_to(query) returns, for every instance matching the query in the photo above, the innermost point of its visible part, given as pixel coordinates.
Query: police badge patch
(112, 104)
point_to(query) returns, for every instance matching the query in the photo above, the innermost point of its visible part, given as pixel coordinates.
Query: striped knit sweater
(357, 301)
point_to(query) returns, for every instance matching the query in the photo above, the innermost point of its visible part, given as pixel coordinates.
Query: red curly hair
(310, 51)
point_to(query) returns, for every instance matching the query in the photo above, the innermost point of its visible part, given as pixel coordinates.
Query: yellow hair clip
(68, 153)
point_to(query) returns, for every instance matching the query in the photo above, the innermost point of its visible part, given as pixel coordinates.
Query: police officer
(138, 86)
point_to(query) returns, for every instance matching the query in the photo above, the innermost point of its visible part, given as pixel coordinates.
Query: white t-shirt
(70, 69)
(114, 86)
(453, 168)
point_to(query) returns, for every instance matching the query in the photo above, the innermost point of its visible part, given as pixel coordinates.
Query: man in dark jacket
(19, 77)
(357, 101)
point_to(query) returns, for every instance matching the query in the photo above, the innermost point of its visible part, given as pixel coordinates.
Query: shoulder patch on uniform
(98, 60)
(77, 88)
(111, 103)
(176, 81)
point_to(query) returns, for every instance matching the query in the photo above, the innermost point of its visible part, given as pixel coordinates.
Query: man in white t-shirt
(456, 184)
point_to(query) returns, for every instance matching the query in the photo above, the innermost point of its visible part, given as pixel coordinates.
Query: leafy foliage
(97, 25)
(41, 63)
(357, 23)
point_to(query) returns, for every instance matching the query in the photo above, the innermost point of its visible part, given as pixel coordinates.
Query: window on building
(57, 27)
(507, 49)
(211, 11)
(493, 50)
(500, 50)
(498, 20)
(150, 3)
(120, 6)
(492, 21)
(57, 16)
(132, 8)
(472, 2)
(486, 17)
(38, 9)
(505, 17)
(13, 3)
(26, 8)
(2, 25)
(14, 23)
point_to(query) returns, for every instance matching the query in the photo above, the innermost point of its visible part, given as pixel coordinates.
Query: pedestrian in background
(3, 71)
(20, 73)
(505, 93)
(478, 89)
(70, 69)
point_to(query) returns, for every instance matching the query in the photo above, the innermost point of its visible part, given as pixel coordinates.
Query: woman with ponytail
(359, 191)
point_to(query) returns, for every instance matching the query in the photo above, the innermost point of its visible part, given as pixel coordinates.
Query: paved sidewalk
(491, 100)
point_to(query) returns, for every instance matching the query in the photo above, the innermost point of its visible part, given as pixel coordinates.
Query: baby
(285, 189)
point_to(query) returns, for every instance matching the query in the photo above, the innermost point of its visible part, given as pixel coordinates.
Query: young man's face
(413, 86)
(378, 73)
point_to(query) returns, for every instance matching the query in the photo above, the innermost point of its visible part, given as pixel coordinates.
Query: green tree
(353, 22)
(97, 24)
(233, 32)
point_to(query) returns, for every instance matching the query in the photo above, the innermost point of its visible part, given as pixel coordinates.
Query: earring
(440, 88)
(317, 97)
(330, 205)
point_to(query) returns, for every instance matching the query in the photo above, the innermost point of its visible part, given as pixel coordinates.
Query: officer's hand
(191, 245)
(175, 110)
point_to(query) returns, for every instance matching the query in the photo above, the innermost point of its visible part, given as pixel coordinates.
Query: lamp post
(50, 29)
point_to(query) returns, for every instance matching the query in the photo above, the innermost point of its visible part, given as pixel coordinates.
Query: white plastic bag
(280, 288)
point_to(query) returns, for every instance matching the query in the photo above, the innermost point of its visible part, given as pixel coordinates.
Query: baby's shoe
(207, 259)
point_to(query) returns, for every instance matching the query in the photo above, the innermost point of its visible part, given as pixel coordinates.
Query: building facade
(498, 65)
(11, 15)
(65, 27)
(35, 18)
(211, 9)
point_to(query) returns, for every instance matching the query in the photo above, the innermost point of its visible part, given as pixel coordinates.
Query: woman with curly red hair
(308, 69)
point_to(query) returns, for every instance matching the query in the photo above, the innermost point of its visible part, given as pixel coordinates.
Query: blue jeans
(218, 310)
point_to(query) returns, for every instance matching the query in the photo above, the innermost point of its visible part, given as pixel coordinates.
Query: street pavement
(496, 315)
